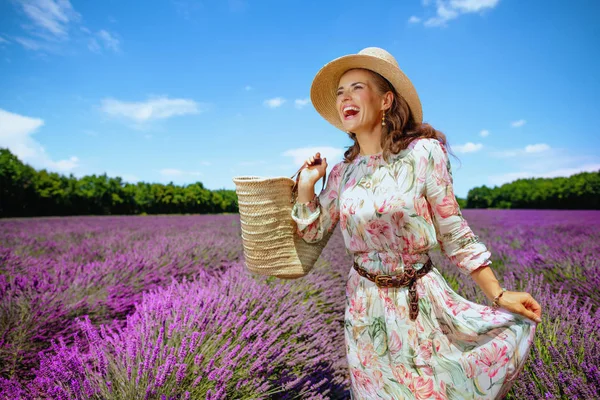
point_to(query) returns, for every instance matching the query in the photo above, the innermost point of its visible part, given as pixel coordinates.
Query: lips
(349, 111)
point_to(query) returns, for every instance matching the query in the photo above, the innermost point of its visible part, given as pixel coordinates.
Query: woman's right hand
(315, 169)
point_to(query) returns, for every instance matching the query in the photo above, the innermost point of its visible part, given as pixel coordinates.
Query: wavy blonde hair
(400, 127)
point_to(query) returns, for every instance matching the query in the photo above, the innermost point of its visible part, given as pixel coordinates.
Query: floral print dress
(391, 213)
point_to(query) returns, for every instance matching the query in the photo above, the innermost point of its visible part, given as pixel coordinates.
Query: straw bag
(271, 244)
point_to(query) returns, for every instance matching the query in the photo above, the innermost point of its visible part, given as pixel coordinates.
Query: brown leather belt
(407, 278)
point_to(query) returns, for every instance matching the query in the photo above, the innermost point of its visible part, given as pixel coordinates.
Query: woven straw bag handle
(297, 175)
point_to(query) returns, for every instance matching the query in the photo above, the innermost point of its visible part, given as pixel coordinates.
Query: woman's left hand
(521, 303)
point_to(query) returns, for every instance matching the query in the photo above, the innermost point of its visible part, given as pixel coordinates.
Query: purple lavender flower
(96, 301)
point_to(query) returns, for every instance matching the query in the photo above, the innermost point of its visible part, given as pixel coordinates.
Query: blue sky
(186, 91)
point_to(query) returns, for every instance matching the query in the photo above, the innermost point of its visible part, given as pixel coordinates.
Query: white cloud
(414, 20)
(30, 44)
(526, 151)
(248, 88)
(109, 40)
(536, 148)
(447, 10)
(93, 45)
(128, 178)
(15, 134)
(554, 173)
(275, 102)
(517, 124)
(484, 133)
(152, 109)
(301, 103)
(444, 14)
(299, 155)
(468, 147)
(104, 39)
(50, 16)
(3, 41)
(178, 173)
(66, 165)
(473, 5)
(49, 27)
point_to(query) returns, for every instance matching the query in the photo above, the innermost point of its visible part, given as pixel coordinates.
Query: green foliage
(25, 192)
(576, 192)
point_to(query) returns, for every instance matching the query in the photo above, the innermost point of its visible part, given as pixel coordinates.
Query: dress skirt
(455, 349)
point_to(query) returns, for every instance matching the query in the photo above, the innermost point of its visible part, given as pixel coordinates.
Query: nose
(345, 95)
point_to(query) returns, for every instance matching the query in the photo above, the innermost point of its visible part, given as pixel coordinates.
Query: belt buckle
(383, 280)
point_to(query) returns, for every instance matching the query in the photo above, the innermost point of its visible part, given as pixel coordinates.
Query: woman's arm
(487, 281)
(317, 215)
(458, 241)
(518, 302)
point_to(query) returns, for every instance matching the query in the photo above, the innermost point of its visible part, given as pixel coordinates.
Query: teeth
(348, 108)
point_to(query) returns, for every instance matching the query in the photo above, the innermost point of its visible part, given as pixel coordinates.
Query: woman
(408, 334)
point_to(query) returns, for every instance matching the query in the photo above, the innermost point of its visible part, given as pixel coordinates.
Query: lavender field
(161, 307)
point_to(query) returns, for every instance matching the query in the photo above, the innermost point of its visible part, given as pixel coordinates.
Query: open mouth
(350, 112)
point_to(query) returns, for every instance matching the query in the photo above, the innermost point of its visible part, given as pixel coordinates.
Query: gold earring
(383, 119)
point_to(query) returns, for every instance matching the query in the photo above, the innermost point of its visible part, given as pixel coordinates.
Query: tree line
(577, 192)
(27, 192)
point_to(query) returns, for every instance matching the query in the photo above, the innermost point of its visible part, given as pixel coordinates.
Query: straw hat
(325, 84)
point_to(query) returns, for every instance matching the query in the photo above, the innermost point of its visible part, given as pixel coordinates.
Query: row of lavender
(161, 307)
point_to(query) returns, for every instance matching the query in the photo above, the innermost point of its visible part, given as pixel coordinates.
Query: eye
(358, 87)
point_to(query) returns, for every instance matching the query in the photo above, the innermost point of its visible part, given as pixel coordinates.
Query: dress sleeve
(456, 239)
(322, 213)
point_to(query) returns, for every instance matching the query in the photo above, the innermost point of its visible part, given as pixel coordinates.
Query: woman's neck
(370, 141)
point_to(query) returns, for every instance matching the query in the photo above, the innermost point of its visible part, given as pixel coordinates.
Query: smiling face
(359, 103)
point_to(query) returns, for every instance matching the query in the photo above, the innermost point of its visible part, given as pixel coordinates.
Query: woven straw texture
(271, 245)
(325, 84)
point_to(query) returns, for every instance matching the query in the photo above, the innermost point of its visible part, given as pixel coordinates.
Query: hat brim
(325, 84)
